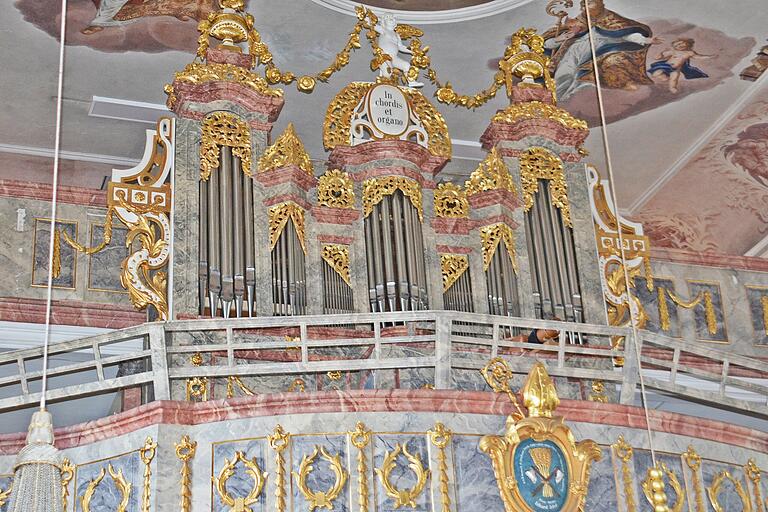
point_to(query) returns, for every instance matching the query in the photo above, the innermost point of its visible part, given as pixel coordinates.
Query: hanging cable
(606, 147)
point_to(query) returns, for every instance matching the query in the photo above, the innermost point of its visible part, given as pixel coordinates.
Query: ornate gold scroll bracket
(278, 441)
(453, 267)
(287, 150)
(441, 437)
(376, 189)
(123, 487)
(321, 499)
(540, 164)
(490, 236)
(147, 453)
(451, 201)
(360, 438)
(693, 461)
(185, 452)
(403, 497)
(240, 503)
(224, 129)
(491, 174)
(279, 215)
(337, 256)
(67, 473)
(335, 190)
(713, 492)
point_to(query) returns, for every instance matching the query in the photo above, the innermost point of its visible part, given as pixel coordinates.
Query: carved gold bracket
(491, 174)
(321, 499)
(287, 150)
(123, 487)
(360, 438)
(693, 461)
(185, 452)
(624, 452)
(224, 129)
(441, 437)
(241, 503)
(451, 201)
(490, 236)
(403, 497)
(376, 189)
(278, 441)
(453, 267)
(67, 473)
(279, 215)
(335, 190)
(713, 492)
(147, 453)
(540, 164)
(337, 256)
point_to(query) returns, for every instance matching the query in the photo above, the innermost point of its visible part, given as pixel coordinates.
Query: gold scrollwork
(147, 453)
(185, 451)
(709, 308)
(598, 392)
(451, 201)
(297, 385)
(321, 499)
(338, 117)
(287, 150)
(653, 488)
(498, 376)
(234, 380)
(441, 437)
(67, 473)
(624, 452)
(224, 129)
(197, 387)
(753, 473)
(538, 110)
(693, 461)
(123, 487)
(403, 497)
(453, 267)
(335, 190)
(337, 256)
(4, 495)
(540, 164)
(240, 503)
(278, 441)
(278, 218)
(439, 142)
(376, 189)
(360, 438)
(490, 236)
(491, 174)
(713, 492)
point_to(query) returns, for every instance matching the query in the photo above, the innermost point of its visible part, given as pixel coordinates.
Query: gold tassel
(709, 310)
(663, 309)
(56, 270)
(764, 302)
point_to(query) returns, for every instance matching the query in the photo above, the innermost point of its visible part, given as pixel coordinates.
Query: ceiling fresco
(684, 88)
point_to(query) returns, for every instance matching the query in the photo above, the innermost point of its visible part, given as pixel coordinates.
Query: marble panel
(643, 461)
(107, 495)
(241, 483)
(401, 477)
(321, 478)
(728, 498)
(650, 302)
(475, 483)
(68, 256)
(104, 267)
(759, 313)
(602, 485)
(699, 312)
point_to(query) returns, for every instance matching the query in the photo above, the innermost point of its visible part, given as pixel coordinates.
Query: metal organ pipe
(238, 227)
(202, 269)
(250, 248)
(214, 242)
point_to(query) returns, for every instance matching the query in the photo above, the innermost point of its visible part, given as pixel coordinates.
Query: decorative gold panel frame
(491, 236)
(376, 189)
(224, 129)
(541, 164)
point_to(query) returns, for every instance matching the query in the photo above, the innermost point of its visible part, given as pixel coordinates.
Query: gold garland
(185, 451)
(490, 236)
(83, 248)
(376, 189)
(337, 257)
(624, 452)
(709, 308)
(453, 267)
(539, 163)
(224, 129)
(440, 437)
(287, 150)
(360, 439)
(403, 497)
(693, 461)
(325, 498)
(278, 218)
(278, 441)
(335, 190)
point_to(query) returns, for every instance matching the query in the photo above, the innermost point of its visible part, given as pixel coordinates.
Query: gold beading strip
(624, 452)
(67, 473)
(440, 437)
(360, 439)
(287, 150)
(147, 453)
(490, 236)
(539, 163)
(693, 461)
(185, 451)
(754, 474)
(224, 129)
(453, 267)
(278, 441)
(337, 257)
(278, 218)
(376, 189)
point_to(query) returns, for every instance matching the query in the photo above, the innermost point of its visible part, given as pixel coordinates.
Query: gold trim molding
(453, 267)
(224, 129)
(376, 189)
(337, 256)
(278, 218)
(287, 150)
(491, 174)
(539, 110)
(490, 236)
(335, 190)
(540, 164)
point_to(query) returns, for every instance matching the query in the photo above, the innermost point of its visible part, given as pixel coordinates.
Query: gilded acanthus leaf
(224, 129)
(453, 267)
(337, 256)
(451, 201)
(335, 190)
(491, 174)
(540, 164)
(287, 150)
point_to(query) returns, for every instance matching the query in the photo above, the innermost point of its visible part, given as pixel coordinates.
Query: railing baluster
(157, 342)
(495, 346)
(675, 365)
(304, 339)
(23, 376)
(443, 351)
(97, 361)
(724, 377)
(230, 349)
(561, 349)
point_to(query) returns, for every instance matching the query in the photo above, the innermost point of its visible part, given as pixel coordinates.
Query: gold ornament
(653, 488)
(185, 451)
(539, 394)
(4, 495)
(498, 375)
(664, 318)
(451, 201)
(123, 487)
(439, 142)
(624, 452)
(376, 189)
(490, 236)
(441, 437)
(287, 150)
(240, 504)
(491, 174)
(278, 441)
(224, 129)
(197, 387)
(297, 384)
(335, 190)
(713, 492)
(321, 499)
(337, 256)
(598, 392)
(360, 439)
(278, 218)
(403, 497)
(526, 66)
(540, 164)
(234, 380)
(709, 308)
(338, 117)
(67, 473)
(453, 267)
(147, 453)
(90, 250)
(537, 110)
(693, 461)
(753, 473)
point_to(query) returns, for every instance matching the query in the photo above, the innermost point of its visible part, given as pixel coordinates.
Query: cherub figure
(391, 44)
(676, 62)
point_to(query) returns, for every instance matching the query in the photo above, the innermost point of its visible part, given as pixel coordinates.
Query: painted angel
(391, 43)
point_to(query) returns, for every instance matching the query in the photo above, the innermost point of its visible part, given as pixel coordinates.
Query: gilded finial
(287, 150)
(525, 62)
(491, 174)
(539, 393)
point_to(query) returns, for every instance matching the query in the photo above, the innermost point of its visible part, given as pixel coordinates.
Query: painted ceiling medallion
(426, 12)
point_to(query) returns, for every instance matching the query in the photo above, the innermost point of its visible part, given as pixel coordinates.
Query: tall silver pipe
(239, 236)
(286, 273)
(290, 239)
(573, 272)
(250, 249)
(378, 253)
(202, 269)
(549, 295)
(369, 255)
(419, 255)
(214, 242)
(227, 236)
(537, 267)
(400, 256)
(556, 277)
(386, 231)
(410, 243)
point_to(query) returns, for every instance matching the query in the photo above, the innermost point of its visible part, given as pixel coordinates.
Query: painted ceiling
(686, 100)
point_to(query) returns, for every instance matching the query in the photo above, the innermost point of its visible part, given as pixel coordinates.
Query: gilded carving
(376, 189)
(67, 473)
(185, 451)
(123, 488)
(197, 387)
(453, 267)
(279, 215)
(360, 438)
(540, 164)
(555, 467)
(287, 150)
(624, 452)
(537, 110)
(498, 376)
(693, 461)
(654, 489)
(451, 201)
(234, 380)
(764, 304)
(441, 437)
(321, 499)
(713, 492)
(337, 256)
(4, 495)
(491, 174)
(224, 129)
(754, 473)
(147, 453)
(335, 190)
(259, 477)
(490, 236)
(278, 441)
(439, 142)
(598, 392)
(709, 308)
(408, 496)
